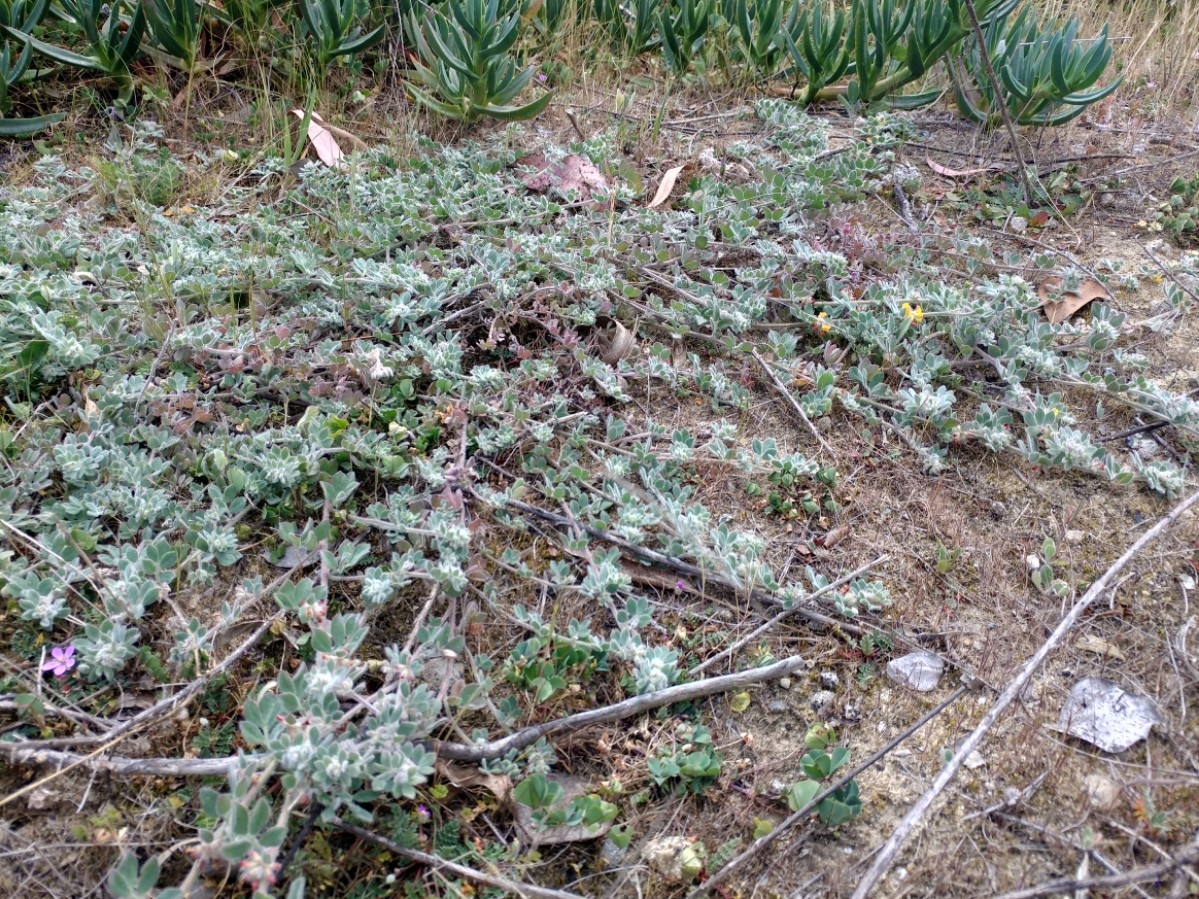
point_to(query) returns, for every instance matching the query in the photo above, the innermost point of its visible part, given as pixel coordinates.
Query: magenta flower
(62, 660)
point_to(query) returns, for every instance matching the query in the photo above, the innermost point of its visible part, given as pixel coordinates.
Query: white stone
(919, 670)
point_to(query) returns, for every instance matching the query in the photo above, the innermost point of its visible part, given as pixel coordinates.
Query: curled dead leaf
(616, 341)
(323, 142)
(1060, 305)
(833, 537)
(954, 173)
(468, 778)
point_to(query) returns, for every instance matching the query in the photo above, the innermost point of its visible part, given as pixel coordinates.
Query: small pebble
(785, 683)
(829, 680)
(1075, 537)
(1101, 793)
(919, 670)
(974, 760)
(821, 701)
(776, 705)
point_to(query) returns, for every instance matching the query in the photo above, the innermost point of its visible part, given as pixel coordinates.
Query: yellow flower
(822, 325)
(915, 314)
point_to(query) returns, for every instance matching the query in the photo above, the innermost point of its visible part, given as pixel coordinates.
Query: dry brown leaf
(540, 179)
(581, 174)
(833, 537)
(468, 778)
(573, 173)
(1099, 646)
(1067, 303)
(323, 141)
(615, 340)
(954, 173)
(667, 186)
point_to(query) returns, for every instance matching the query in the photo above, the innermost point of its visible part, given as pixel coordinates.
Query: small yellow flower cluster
(822, 325)
(915, 314)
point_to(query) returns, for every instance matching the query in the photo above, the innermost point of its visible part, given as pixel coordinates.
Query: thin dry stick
(758, 631)
(1168, 273)
(441, 864)
(760, 845)
(985, 55)
(1069, 886)
(628, 708)
(178, 699)
(790, 398)
(889, 849)
(164, 767)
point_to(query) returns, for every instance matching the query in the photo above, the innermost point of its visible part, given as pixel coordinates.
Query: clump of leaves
(819, 764)
(466, 66)
(1179, 215)
(1047, 77)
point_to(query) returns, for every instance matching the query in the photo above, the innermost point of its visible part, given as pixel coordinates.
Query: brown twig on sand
(891, 847)
(768, 625)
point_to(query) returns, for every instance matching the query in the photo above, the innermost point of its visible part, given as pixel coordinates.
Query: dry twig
(787, 395)
(1069, 886)
(635, 705)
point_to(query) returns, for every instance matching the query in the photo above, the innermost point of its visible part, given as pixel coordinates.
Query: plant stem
(985, 55)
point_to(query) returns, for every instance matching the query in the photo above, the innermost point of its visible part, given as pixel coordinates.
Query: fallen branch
(161, 767)
(495, 880)
(757, 847)
(1068, 886)
(889, 849)
(636, 705)
(22, 754)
